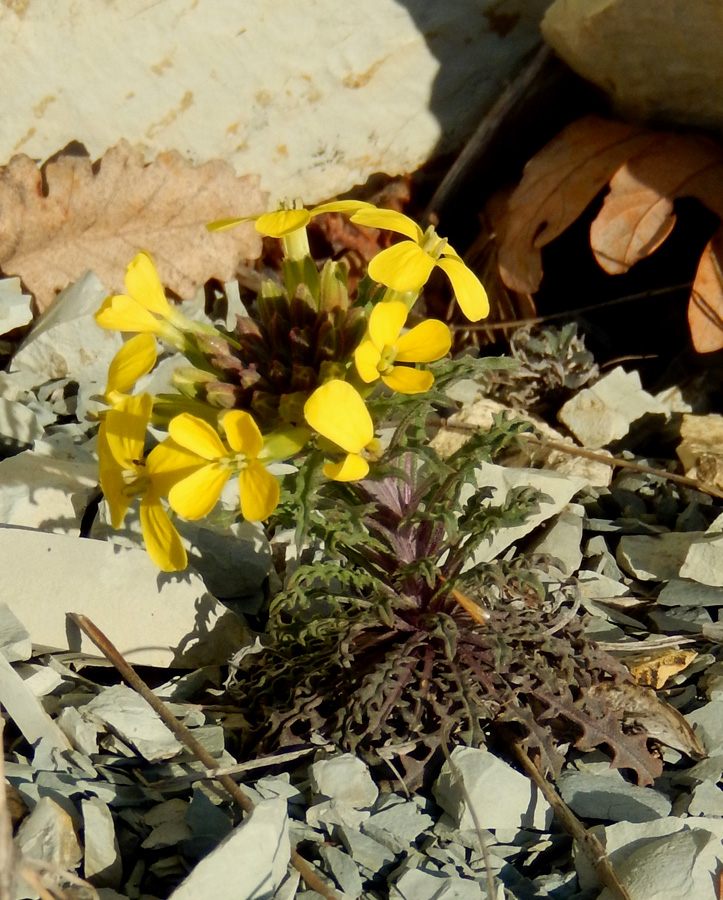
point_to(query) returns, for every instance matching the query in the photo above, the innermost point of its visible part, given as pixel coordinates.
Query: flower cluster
(298, 373)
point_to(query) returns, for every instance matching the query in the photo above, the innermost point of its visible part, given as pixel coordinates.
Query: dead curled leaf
(72, 216)
(641, 708)
(646, 172)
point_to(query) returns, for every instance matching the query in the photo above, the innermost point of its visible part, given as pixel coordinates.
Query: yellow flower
(406, 266)
(124, 476)
(145, 308)
(134, 359)
(337, 411)
(196, 495)
(375, 356)
(282, 222)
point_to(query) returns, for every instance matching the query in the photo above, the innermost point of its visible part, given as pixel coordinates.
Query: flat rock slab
(152, 618)
(655, 59)
(599, 415)
(501, 796)
(249, 864)
(558, 490)
(313, 97)
(611, 799)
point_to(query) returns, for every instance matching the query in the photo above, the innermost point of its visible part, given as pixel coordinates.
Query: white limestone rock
(131, 718)
(15, 307)
(657, 60)
(45, 491)
(18, 424)
(249, 864)
(704, 561)
(313, 97)
(599, 415)
(102, 862)
(344, 778)
(659, 557)
(165, 619)
(501, 796)
(66, 342)
(48, 835)
(562, 538)
(611, 798)
(559, 490)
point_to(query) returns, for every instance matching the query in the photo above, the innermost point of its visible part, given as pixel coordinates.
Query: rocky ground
(100, 789)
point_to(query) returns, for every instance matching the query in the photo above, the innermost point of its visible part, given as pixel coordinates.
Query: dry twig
(183, 734)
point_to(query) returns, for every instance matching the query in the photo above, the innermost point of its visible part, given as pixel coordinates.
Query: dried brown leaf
(99, 217)
(637, 215)
(705, 307)
(640, 706)
(557, 185)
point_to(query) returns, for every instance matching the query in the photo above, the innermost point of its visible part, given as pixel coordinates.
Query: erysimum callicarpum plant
(387, 607)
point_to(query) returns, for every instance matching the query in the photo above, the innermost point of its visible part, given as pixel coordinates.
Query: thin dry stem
(183, 734)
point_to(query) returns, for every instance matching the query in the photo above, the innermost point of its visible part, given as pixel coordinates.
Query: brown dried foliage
(72, 216)
(645, 172)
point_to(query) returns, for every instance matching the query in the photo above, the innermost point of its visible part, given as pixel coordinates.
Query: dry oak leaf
(98, 217)
(647, 171)
(557, 185)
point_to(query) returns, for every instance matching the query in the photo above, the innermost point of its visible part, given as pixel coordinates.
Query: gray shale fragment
(102, 864)
(249, 864)
(343, 778)
(48, 835)
(365, 851)
(611, 799)
(129, 716)
(343, 868)
(502, 797)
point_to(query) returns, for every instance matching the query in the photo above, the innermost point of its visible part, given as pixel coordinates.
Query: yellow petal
(112, 482)
(144, 285)
(337, 411)
(386, 322)
(366, 357)
(352, 468)
(259, 492)
(243, 433)
(122, 313)
(135, 358)
(194, 497)
(345, 206)
(467, 288)
(168, 463)
(389, 220)
(225, 224)
(408, 381)
(426, 342)
(197, 436)
(402, 267)
(162, 540)
(125, 429)
(282, 222)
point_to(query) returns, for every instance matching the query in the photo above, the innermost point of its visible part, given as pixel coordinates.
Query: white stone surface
(660, 60)
(611, 798)
(624, 838)
(48, 835)
(66, 341)
(18, 423)
(102, 864)
(153, 618)
(704, 561)
(603, 413)
(50, 493)
(660, 557)
(501, 796)
(247, 865)
(560, 489)
(127, 715)
(344, 778)
(312, 96)
(15, 308)
(562, 538)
